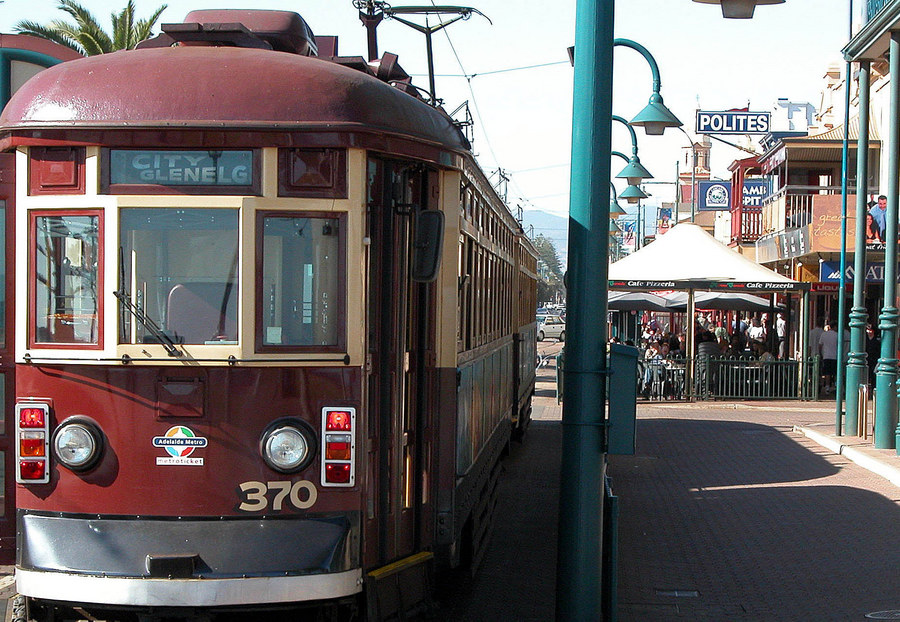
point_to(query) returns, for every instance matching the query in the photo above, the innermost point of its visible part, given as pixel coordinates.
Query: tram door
(397, 334)
(7, 366)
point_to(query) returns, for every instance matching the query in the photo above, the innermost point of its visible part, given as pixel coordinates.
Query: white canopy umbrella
(688, 258)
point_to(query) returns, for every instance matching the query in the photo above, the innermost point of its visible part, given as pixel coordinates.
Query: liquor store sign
(181, 168)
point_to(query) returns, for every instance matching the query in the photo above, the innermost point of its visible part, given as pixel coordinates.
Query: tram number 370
(255, 495)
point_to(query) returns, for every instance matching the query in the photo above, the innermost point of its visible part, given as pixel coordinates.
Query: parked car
(552, 326)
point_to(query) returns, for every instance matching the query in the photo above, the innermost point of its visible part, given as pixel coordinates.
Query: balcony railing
(873, 7)
(746, 225)
(791, 207)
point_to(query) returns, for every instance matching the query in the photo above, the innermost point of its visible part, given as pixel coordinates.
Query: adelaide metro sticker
(179, 442)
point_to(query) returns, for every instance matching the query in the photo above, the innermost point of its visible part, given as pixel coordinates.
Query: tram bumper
(186, 562)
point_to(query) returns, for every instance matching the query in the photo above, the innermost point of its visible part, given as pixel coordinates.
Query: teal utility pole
(856, 358)
(583, 469)
(842, 282)
(886, 370)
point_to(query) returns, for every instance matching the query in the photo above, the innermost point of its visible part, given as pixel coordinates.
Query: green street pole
(583, 466)
(856, 358)
(842, 281)
(886, 370)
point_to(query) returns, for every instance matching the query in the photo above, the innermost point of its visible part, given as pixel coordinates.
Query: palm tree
(86, 36)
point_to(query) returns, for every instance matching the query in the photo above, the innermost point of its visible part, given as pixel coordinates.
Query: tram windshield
(179, 267)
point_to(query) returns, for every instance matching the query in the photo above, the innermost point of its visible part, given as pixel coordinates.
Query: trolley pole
(583, 467)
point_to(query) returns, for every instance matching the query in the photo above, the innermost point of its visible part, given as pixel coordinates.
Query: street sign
(716, 195)
(733, 122)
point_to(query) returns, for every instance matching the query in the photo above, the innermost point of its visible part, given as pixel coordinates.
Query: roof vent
(282, 31)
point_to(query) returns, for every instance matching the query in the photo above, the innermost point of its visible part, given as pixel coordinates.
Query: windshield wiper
(148, 323)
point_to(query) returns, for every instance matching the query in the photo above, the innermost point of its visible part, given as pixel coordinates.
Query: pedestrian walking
(828, 344)
(781, 335)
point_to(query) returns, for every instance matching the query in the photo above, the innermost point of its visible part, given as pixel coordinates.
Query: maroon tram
(276, 329)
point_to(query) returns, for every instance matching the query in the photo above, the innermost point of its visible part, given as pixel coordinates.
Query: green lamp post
(854, 373)
(886, 369)
(634, 171)
(579, 579)
(655, 117)
(615, 210)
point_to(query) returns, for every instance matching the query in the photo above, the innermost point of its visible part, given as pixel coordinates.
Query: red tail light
(339, 421)
(32, 417)
(32, 433)
(32, 471)
(338, 447)
(337, 473)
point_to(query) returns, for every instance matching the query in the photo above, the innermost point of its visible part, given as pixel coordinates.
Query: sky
(512, 68)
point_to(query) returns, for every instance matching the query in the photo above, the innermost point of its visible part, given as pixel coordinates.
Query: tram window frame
(33, 341)
(262, 297)
(254, 188)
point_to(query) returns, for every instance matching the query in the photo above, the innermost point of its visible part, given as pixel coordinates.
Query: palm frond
(123, 27)
(143, 29)
(87, 36)
(94, 39)
(50, 32)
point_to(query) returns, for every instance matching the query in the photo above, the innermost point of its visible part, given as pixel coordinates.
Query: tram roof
(204, 87)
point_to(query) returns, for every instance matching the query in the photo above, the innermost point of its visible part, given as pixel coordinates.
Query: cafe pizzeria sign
(181, 168)
(702, 284)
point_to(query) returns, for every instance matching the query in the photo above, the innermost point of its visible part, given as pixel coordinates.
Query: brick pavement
(517, 578)
(727, 513)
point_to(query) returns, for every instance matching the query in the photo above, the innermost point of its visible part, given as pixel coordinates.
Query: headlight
(78, 444)
(288, 446)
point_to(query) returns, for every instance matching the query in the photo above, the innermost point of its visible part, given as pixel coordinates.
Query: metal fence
(729, 378)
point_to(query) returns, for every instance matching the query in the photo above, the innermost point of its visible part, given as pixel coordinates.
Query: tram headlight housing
(78, 444)
(288, 445)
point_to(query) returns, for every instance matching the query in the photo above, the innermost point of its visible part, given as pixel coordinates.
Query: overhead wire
(469, 78)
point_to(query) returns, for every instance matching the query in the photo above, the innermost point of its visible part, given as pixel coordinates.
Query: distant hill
(556, 228)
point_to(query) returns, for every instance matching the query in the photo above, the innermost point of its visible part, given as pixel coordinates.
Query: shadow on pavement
(735, 520)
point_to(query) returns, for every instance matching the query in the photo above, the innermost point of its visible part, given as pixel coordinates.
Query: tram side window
(179, 267)
(65, 273)
(300, 302)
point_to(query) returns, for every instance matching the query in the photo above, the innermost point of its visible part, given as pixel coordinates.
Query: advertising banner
(830, 272)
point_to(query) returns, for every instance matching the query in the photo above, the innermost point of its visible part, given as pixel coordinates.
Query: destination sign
(733, 122)
(181, 168)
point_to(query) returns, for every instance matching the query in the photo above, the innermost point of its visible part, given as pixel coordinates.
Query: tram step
(401, 590)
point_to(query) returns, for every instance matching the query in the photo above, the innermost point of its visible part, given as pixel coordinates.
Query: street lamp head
(739, 9)
(615, 210)
(655, 117)
(632, 194)
(634, 172)
(613, 226)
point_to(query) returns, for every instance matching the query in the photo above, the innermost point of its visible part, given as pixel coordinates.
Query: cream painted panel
(448, 278)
